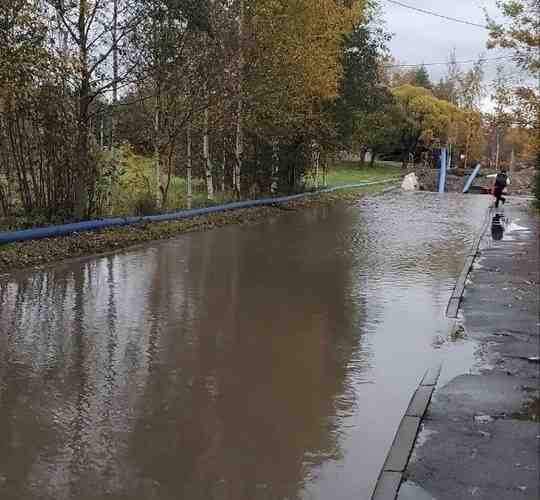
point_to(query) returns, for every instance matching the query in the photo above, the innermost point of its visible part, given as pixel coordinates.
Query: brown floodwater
(265, 362)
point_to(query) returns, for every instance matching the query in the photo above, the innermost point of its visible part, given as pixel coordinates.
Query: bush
(132, 193)
(145, 205)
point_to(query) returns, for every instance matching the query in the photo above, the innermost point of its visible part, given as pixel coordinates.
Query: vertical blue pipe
(442, 172)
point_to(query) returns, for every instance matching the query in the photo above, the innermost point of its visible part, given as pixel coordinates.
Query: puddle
(412, 491)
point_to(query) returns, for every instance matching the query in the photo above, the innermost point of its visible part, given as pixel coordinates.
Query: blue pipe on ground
(96, 225)
(470, 180)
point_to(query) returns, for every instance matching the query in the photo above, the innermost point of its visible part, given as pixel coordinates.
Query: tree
(22, 44)
(292, 72)
(421, 78)
(470, 135)
(470, 91)
(92, 39)
(172, 58)
(501, 118)
(379, 130)
(36, 116)
(463, 89)
(361, 90)
(521, 34)
(248, 87)
(426, 119)
(448, 87)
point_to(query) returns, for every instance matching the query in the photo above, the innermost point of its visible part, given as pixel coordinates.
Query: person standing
(501, 182)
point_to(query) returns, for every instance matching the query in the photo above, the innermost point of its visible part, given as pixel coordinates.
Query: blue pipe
(470, 180)
(95, 225)
(442, 172)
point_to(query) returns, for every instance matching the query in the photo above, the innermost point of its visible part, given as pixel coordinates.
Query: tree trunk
(188, 168)
(157, 169)
(115, 73)
(274, 186)
(498, 150)
(363, 154)
(101, 131)
(206, 155)
(239, 119)
(404, 160)
(223, 167)
(512, 161)
(316, 157)
(373, 156)
(82, 185)
(326, 160)
(467, 145)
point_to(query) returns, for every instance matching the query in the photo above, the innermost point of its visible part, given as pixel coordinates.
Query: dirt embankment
(41, 252)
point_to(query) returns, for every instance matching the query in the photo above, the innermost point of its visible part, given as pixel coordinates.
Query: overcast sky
(421, 38)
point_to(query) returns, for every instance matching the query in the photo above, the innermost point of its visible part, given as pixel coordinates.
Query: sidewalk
(481, 437)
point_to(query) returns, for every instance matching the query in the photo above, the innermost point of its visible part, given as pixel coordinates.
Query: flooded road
(263, 362)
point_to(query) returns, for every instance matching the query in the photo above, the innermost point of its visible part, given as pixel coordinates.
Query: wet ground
(481, 438)
(273, 361)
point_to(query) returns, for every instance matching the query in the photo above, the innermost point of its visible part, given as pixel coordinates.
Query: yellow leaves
(433, 118)
(297, 50)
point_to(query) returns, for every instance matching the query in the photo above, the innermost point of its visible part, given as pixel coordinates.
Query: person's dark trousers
(498, 197)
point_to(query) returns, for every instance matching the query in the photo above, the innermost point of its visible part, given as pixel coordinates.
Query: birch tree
(239, 119)
(94, 37)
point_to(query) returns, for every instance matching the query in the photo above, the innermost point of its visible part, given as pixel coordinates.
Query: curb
(457, 294)
(391, 476)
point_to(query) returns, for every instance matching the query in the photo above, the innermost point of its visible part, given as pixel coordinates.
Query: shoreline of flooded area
(270, 361)
(41, 254)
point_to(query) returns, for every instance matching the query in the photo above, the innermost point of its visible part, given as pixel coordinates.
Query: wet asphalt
(481, 435)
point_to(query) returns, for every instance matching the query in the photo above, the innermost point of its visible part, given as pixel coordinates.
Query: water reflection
(497, 227)
(242, 363)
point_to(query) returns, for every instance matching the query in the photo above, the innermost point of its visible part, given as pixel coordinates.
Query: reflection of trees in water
(257, 401)
(223, 375)
(66, 386)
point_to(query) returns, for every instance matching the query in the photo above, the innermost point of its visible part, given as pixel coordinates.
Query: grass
(340, 174)
(345, 173)
(134, 184)
(51, 251)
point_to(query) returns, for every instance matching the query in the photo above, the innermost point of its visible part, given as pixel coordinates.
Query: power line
(470, 61)
(436, 14)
